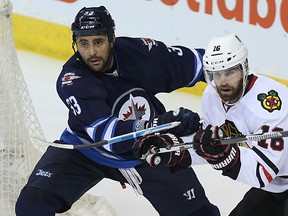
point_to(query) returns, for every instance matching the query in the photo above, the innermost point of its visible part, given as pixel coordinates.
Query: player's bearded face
(229, 84)
(96, 52)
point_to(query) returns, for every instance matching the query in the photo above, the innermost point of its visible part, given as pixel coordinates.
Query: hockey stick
(118, 138)
(229, 140)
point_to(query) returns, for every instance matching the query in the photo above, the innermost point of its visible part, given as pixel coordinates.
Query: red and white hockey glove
(208, 146)
(146, 149)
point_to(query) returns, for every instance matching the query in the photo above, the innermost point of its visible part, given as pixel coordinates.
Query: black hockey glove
(189, 121)
(146, 149)
(208, 146)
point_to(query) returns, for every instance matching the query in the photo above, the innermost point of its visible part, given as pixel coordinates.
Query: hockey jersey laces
(133, 178)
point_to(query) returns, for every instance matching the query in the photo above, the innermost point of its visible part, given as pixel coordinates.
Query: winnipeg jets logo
(135, 108)
(68, 78)
(44, 173)
(135, 111)
(149, 43)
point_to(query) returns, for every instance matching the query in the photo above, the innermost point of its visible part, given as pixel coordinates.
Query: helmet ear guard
(93, 21)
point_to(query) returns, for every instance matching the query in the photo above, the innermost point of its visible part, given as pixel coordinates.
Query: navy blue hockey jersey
(102, 105)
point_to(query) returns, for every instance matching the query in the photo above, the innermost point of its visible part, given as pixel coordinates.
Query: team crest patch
(135, 108)
(149, 43)
(68, 78)
(270, 101)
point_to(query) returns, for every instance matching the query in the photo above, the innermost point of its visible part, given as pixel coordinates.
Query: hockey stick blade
(118, 138)
(230, 140)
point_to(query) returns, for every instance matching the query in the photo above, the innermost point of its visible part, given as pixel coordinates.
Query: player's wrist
(228, 161)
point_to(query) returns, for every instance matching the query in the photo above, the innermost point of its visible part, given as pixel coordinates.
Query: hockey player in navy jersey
(109, 86)
(238, 102)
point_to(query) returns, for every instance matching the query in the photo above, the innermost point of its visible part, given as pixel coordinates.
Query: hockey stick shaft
(120, 138)
(230, 140)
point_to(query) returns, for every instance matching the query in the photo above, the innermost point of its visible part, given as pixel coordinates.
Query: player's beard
(234, 95)
(105, 62)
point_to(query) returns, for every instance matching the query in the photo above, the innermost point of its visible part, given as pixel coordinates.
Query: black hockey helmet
(93, 21)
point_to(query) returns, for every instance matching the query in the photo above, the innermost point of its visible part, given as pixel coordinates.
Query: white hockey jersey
(263, 108)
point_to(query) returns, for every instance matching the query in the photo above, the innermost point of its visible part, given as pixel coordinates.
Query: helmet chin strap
(73, 46)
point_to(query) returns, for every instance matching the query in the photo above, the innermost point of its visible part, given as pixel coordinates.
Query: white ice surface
(40, 74)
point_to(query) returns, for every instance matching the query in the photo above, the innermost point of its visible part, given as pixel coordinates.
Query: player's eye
(98, 42)
(84, 44)
(217, 75)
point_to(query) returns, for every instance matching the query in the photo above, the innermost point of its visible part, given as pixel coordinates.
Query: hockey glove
(189, 121)
(146, 149)
(208, 146)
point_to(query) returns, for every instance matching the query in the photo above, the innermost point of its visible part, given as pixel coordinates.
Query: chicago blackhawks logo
(229, 129)
(270, 101)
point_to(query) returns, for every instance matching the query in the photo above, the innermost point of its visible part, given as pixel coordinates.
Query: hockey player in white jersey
(238, 102)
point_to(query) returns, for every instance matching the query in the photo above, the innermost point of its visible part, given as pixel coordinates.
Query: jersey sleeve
(159, 67)
(257, 169)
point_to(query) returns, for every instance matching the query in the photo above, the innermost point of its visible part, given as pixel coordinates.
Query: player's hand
(146, 149)
(207, 145)
(190, 121)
